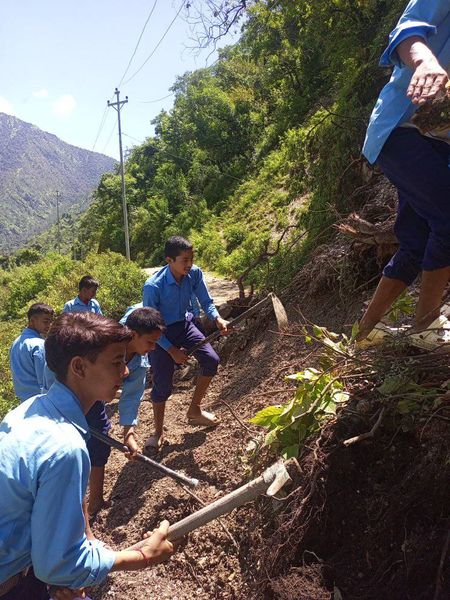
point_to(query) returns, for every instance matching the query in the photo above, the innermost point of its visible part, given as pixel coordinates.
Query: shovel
(269, 483)
(278, 308)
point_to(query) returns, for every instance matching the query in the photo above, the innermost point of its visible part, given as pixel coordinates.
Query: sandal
(204, 419)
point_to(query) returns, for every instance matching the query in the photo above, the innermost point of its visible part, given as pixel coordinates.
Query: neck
(85, 399)
(177, 277)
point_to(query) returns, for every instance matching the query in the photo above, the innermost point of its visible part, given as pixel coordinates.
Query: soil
(360, 523)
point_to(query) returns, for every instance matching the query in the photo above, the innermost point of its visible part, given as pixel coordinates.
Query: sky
(60, 61)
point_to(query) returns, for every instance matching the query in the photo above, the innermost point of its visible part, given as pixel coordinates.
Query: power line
(138, 42)
(157, 45)
(109, 137)
(156, 99)
(102, 123)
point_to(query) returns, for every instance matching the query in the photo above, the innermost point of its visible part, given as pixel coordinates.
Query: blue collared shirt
(77, 305)
(27, 360)
(132, 390)
(128, 312)
(429, 19)
(44, 471)
(172, 299)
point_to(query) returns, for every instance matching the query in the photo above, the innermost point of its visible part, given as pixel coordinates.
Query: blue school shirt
(44, 471)
(172, 299)
(429, 19)
(27, 360)
(132, 390)
(128, 312)
(77, 305)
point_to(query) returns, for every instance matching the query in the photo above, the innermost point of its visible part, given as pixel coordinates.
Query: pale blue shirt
(128, 312)
(132, 390)
(172, 299)
(429, 19)
(27, 360)
(44, 471)
(77, 305)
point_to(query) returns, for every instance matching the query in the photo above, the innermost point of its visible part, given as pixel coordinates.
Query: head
(40, 317)
(87, 288)
(180, 255)
(86, 351)
(146, 326)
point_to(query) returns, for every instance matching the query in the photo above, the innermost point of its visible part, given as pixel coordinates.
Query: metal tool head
(277, 476)
(280, 312)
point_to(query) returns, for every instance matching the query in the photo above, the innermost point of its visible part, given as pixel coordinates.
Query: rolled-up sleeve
(132, 390)
(39, 365)
(202, 293)
(60, 552)
(150, 297)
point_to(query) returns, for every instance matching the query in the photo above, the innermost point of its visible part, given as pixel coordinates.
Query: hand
(59, 593)
(130, 441)
(428, 80)
(157, 548)
(179, 356)
(223, 326)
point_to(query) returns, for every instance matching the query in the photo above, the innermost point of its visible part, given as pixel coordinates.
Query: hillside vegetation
(259, 148)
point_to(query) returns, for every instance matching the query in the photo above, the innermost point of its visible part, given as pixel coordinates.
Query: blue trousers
(183, 334)
(418, 166)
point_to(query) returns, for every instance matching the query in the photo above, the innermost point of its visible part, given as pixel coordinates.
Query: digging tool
(278, 308)
(192, 482)
(269, 483)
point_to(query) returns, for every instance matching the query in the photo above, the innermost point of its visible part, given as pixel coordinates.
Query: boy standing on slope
(146, 326)
(170, 291)
(27, 355)
(85, 301)
(44, 468)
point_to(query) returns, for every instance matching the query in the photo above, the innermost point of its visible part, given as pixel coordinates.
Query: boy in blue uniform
(170, 291)
(146, 326)
(44, 468)
(27, 355)
(85, 301)
(418, 165)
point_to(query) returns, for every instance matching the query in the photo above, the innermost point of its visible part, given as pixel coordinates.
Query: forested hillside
(261, 146)
(34, 166)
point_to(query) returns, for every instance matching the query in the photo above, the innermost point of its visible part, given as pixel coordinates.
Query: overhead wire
(156, 99)
(169, 27)
(138, 42)
(109, 137)
(99, 130)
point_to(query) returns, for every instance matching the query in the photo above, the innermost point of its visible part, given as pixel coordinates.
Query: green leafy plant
(289, 425)
(404, 305)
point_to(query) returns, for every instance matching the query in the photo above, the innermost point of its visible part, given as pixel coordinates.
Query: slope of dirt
(364, 522)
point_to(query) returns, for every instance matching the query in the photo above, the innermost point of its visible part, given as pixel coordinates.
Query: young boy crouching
(44, 468)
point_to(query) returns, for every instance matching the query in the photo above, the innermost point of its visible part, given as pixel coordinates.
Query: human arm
(151, 298)
(130, 400)
(39, 365)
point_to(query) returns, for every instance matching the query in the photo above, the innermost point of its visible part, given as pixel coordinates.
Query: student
(170, 291)
(44, 468)
(27, 355)
(417, 164)
(85, 301)
(146, 326)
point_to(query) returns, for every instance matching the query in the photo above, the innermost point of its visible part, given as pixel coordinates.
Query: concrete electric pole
(117, 106)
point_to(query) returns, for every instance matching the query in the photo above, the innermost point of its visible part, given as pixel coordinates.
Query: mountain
(34, 165)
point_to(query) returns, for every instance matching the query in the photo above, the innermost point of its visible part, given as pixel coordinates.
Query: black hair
(40, 308)
(145, 320)
(176, 245)
(83, 334)
(88, 282)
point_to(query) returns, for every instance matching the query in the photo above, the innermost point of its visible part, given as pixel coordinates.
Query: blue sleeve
(150, 297)
(49, 378)
(60, 552)
(38, 356)
(98, 308)
(195, 306)
(420, 18)
(67, 307)
(202, 293)
(132, 391)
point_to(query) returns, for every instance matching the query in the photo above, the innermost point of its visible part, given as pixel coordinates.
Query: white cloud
(6, 106)
(43, 93)
(64, 105)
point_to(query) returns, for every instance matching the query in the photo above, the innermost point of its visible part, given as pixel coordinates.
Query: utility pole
(58, 238)
(117, 106)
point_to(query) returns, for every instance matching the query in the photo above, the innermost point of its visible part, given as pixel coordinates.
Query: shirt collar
(79, 301)
(30, 332)
(169, 277)
(68, 405)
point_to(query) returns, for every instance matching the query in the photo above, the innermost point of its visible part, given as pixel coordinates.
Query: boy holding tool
(85, 301)
(27, 355)
(146, 326)
(170, 291)
(44, 468)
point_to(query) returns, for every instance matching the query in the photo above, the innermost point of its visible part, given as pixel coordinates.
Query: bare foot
(197, 416)
(154, 443)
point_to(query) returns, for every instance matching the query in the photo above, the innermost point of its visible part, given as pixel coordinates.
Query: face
(87, 294)
(182, 264)
(101, 379)
(146, 342)
(41, 323)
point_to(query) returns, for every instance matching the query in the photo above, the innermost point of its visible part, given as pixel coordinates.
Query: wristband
(146, 559)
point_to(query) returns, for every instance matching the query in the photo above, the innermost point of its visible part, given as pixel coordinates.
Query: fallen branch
(369, 434)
